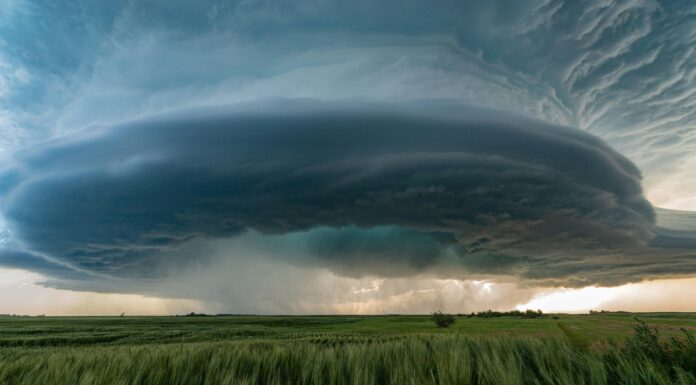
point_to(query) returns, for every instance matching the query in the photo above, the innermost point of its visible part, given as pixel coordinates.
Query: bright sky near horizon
(261, 156)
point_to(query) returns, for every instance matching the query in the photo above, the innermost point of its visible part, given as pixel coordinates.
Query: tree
(443, 320)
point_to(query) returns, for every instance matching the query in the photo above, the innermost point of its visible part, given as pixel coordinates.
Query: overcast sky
(264, 156)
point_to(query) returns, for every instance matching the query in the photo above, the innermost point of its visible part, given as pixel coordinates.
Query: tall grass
(417, 360)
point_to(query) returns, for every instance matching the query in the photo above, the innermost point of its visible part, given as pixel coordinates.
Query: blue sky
(523, 143)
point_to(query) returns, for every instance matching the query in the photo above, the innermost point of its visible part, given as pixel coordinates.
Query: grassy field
(567, 349)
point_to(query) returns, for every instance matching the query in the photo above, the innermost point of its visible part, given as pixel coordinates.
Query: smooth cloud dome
(379, 189)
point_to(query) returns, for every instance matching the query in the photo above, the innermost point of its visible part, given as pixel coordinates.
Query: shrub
(443, 320)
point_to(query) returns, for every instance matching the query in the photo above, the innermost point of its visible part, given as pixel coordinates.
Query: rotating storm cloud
(322, 157)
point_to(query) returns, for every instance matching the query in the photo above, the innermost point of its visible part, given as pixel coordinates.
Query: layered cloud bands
(623, 69)
(381, 189)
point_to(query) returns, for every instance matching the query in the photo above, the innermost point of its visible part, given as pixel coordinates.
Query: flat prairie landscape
(609, 348)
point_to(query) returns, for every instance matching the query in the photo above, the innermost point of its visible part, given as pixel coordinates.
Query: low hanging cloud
(393, 190)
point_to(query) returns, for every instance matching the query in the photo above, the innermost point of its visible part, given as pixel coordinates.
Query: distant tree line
(192, 314)
(514, 313)
(608, 312)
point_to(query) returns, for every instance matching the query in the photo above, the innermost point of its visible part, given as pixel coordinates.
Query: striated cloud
(378, 189)
(622, 69)
(119, 176)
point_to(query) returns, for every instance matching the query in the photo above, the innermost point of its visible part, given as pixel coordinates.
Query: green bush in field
(443, 320)
(676, 355)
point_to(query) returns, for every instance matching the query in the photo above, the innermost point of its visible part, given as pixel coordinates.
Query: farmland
(565, 349)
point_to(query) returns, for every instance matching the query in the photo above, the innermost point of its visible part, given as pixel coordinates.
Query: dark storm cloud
(26, 261)
(623, 69)
(364, 187)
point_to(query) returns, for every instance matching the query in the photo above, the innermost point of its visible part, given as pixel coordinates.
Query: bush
(652, 357)
(443, 320)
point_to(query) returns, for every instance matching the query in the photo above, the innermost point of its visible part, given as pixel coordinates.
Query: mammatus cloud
(392, 190)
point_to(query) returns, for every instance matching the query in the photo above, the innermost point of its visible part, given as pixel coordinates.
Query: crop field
(563, 349)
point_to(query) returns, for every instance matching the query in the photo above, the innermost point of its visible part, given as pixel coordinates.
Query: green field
(567, 349)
